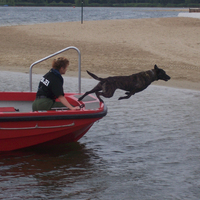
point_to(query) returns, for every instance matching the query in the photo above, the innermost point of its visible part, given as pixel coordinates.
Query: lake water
(146, 148)
(32, 15)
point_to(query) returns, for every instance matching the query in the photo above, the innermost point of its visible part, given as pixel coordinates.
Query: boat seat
(8, 109)
(14, 106)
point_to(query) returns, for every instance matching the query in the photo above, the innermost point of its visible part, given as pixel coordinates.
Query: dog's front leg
(129, 94)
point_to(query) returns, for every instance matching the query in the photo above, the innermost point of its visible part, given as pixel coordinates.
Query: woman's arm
(64, 101)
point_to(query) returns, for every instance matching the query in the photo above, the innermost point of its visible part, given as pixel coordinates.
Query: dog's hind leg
(94, 90)
(98, 96)
(107, 94)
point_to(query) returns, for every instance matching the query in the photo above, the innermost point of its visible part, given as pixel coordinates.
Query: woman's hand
(76, 108)
(64, 101)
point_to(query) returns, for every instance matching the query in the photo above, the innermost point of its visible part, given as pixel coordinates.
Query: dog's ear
(155, 67)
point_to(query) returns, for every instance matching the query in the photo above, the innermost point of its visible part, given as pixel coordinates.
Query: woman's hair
(60, 62)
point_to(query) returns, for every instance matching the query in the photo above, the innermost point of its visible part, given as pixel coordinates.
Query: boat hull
(25, 129)
(37, 133)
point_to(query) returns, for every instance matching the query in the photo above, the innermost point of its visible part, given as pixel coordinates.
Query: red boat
(21, 128)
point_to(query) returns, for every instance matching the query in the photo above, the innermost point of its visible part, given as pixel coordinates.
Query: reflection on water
(147, 147)
(34, 173)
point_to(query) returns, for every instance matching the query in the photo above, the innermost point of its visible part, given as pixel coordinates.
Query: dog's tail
(94, 76)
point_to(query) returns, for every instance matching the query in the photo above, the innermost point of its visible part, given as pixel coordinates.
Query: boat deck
(26, 106)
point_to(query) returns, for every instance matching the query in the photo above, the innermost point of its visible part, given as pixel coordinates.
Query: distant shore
(110, 47)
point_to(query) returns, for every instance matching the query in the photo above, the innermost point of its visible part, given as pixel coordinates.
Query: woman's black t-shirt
(51, 85)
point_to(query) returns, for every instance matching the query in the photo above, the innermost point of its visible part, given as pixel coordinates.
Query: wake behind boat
(20, 127)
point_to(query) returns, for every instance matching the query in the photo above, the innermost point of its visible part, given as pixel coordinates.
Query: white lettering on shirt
(45, 81)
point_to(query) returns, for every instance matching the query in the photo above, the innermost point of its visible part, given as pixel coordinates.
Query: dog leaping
(132, 84)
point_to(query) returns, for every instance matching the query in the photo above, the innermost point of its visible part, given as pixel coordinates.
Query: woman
(51, 87)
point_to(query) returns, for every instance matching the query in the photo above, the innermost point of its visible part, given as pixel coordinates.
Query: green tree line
(105, 3)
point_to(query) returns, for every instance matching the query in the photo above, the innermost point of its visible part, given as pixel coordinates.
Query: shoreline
(109, 47)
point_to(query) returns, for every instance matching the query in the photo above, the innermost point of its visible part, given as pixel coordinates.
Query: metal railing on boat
(54, 54)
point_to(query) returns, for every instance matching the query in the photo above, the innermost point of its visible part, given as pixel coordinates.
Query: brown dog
(132, 84)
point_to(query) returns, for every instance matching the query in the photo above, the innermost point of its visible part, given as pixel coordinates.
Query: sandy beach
(112, 47)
